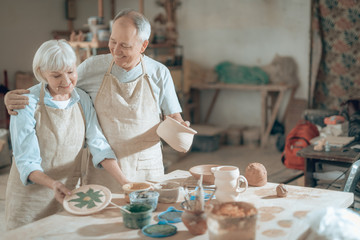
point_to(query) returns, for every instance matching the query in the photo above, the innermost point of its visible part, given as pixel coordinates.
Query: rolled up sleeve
(24, 142)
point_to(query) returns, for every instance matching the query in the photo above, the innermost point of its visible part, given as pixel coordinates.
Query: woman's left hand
(60, 191)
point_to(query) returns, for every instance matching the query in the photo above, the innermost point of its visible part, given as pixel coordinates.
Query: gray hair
(53, 55)
(141, 23)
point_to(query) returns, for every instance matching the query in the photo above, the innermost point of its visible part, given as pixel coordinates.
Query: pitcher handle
(241, 178)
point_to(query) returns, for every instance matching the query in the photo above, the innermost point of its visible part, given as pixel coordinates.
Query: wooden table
(279, 218)
(272, 96)
(336, 156)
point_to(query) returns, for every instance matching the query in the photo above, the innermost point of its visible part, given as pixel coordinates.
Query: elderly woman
(48, 138)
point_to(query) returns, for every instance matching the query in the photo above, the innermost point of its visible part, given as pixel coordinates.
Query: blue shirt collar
(73, 99)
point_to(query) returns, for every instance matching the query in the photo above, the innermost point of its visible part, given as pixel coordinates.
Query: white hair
(53, 55)
(141, 23)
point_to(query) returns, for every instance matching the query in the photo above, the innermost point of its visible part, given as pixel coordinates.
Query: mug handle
(241, 178)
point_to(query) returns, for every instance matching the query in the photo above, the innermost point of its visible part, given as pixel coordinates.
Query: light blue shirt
(24, 140)
(91, 73)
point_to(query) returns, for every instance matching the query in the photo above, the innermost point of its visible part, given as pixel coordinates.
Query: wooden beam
(112, 9)
(100, 8)
(141, 6)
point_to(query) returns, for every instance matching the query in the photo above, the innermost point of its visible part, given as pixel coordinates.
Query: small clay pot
(195, 221)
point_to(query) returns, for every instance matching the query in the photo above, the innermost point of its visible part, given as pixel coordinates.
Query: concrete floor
(227, 155)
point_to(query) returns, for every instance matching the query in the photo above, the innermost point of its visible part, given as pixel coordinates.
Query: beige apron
(128, 115)
(61, 134)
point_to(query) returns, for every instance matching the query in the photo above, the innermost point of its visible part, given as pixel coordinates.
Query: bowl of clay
(205, 170)
(178, 136)
(135, 186)
(169, 191)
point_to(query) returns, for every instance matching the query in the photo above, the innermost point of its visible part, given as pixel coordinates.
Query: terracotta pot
(178, 136)
(194, 221)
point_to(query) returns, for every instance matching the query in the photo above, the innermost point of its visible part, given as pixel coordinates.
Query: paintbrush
(199, 196)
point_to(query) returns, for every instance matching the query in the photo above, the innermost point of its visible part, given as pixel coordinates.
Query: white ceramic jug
(228, 181)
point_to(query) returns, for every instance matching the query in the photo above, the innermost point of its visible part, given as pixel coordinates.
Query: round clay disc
(87, 199)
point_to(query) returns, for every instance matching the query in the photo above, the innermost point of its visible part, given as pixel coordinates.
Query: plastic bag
(332, 224)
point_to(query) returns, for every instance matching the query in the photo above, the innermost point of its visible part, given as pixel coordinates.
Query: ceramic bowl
(145, 197)
(178, 136)
(205, 170)
(135, 186)
(168, 191)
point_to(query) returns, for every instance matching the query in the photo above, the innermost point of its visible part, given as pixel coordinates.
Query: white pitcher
(228, 181)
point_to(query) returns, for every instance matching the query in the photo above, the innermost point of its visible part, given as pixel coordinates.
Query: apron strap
(42, 94)
(146, 76)
(142, 65)
(109, 68)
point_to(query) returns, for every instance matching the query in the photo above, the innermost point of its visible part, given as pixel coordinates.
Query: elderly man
(129, 92)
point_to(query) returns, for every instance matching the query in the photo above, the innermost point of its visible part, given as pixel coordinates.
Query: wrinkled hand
(60, 191)
(186, 123)
(178, 118)
(14, 100)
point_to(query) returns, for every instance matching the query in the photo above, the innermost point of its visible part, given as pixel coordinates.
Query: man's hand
(14, 100)
(60, 191)
(177, 117)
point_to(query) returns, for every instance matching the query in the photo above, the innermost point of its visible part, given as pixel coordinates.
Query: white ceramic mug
(228, 178)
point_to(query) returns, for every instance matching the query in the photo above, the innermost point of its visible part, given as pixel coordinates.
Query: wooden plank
(272, 118)
(212, 104)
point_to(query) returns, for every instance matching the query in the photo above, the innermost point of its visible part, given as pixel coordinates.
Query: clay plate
(87, 199)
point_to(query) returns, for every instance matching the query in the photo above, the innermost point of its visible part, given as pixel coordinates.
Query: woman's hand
(60, 191)
(14, 100)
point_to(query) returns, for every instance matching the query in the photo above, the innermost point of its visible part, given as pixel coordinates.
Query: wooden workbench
(278, 218)
(272, 96)
(336, 156)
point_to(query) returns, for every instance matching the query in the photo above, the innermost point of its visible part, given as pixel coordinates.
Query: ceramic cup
(228, 178)
(178, 136)
(135, 186)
